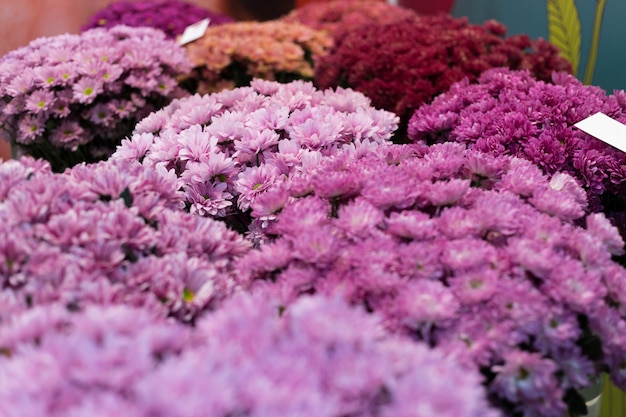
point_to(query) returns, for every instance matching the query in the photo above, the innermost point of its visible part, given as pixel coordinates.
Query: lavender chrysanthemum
(477, 255)
(229, 148)
(319, 357)
(72, 98)
(109, 233)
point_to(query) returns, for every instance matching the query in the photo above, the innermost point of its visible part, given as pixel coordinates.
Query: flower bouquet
(109, 234)
(231, 55)
(339, 17)
(404, 64)
(509, 112)
(320, 357)
(228, 148)
(473, 254)
(170, 16)
(72, 98)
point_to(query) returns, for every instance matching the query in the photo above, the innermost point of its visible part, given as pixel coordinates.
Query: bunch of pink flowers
(475, 255)
(320, 357)
(231, 55)
(108, 234)
(228, 148)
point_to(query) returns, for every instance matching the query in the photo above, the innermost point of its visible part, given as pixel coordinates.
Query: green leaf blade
(564, 29)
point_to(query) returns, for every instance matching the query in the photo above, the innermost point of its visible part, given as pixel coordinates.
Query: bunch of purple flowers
(72, 98)
(404, 64)
(109, 233)
(509, 112)
(170, 16)
(476, 255)
(340, 17)
(320, 357)
(230, 147)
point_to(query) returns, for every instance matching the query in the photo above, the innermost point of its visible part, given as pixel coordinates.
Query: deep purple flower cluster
(403, 64)
(109, 233)
(474, 254)
(509, 112)
(228, 148)
(72, 98)
(320, 357)
(170, 16)
(340, 17)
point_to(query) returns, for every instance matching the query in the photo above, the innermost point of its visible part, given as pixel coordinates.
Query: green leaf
(564, 29)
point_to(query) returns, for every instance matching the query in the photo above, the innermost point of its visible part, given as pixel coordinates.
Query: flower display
(228, 148)
(509, 112)
(318, 358)
(109, 233)
(473, 254)
(231, 55)
(170, 16)
(403, 64)
(72, 98)
(339, 17)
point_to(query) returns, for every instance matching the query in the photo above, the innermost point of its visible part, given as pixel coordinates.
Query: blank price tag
(194, 32)
(606, 129)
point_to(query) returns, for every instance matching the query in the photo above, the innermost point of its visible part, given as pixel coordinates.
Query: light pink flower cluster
(72, 98)
(319, 357)
(228, 148)
(109, 233)
(474, 254)
(231, 55)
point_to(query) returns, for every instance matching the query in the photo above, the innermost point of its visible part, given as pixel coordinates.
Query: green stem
(595, 41)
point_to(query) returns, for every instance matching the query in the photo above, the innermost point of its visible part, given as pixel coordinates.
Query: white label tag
(194, 32)
(605, 128)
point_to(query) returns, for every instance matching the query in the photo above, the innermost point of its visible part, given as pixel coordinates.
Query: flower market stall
(356, 209)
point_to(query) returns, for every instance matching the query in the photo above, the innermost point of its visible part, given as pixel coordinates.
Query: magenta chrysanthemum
(509, 112)
(72, 98)
(170, 16)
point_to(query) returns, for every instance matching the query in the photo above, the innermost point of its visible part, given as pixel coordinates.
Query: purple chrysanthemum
(477, 255)
(170, 16)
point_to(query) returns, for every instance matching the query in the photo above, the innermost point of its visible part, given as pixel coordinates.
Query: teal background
(530, 17)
